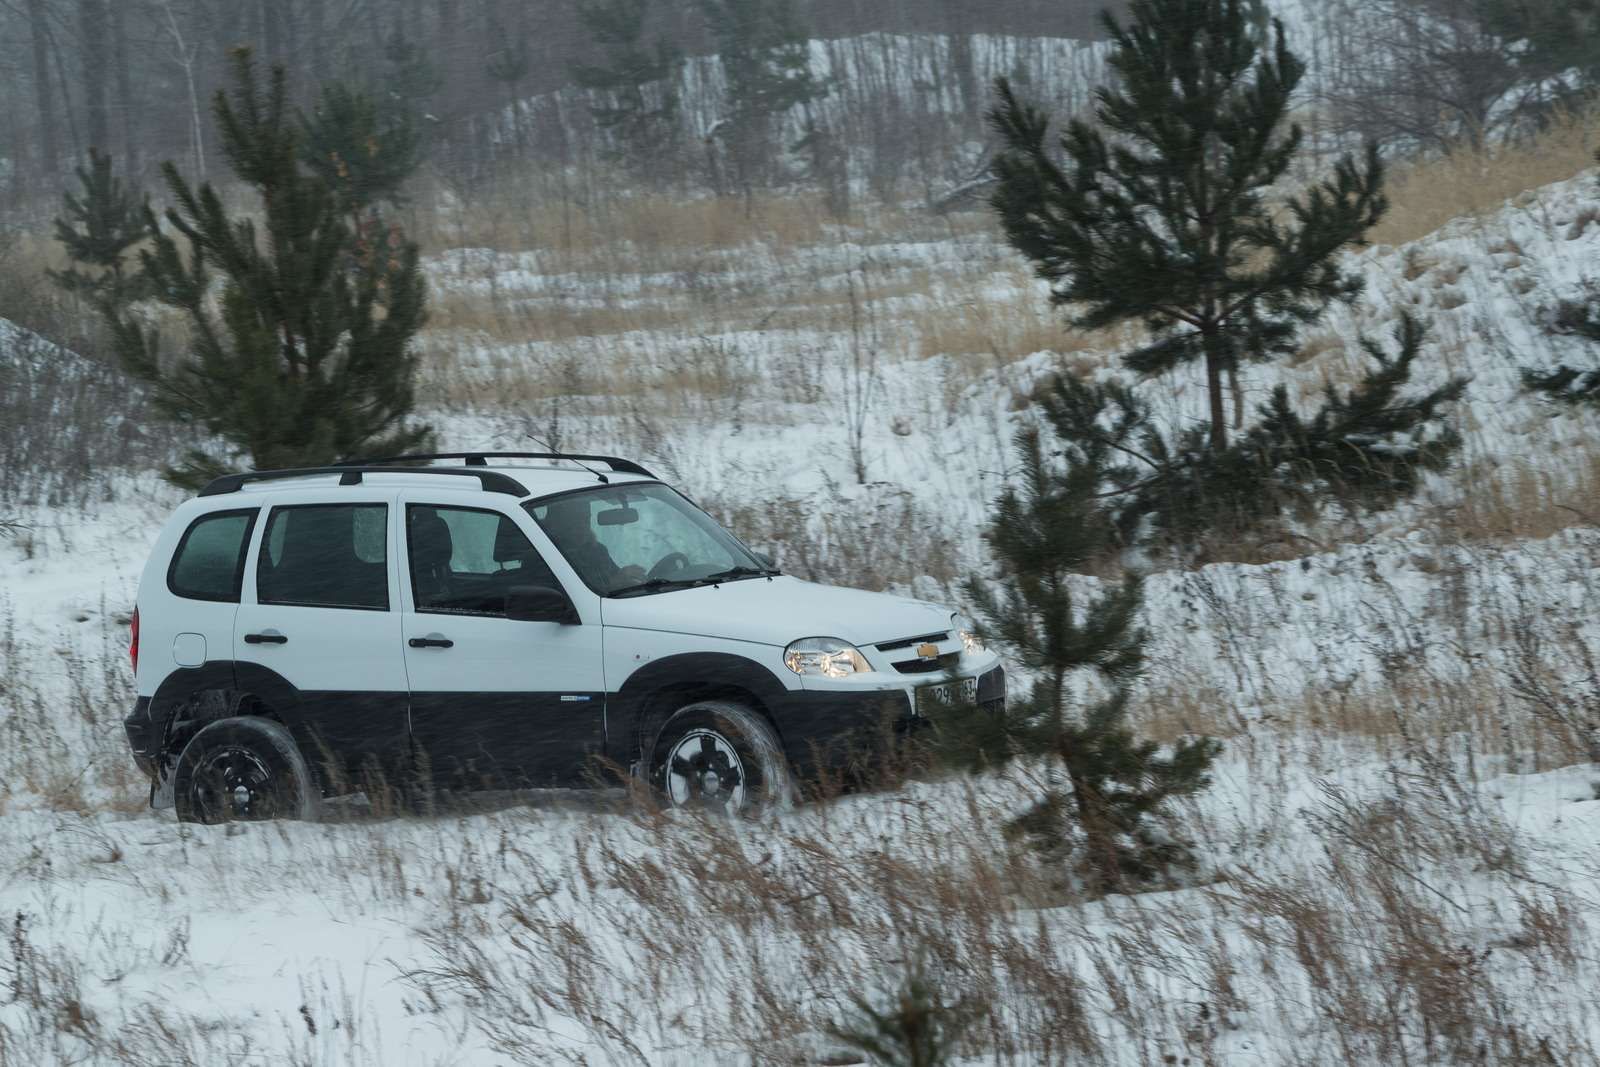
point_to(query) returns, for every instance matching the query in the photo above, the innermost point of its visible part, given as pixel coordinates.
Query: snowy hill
(1398, 855)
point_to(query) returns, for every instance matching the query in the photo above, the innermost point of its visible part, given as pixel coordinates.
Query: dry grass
(589, 229)
(1509, 499)
(1429, 193)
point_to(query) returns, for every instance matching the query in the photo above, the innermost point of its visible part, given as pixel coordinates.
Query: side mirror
(540, 603)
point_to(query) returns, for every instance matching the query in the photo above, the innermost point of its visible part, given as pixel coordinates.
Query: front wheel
(720, 757)
(242, 769)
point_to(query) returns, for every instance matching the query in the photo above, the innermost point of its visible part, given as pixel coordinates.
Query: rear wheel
(719, 757)
(242, 769)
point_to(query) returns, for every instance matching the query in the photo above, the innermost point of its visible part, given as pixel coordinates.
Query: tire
(722, 758)
(243, 769)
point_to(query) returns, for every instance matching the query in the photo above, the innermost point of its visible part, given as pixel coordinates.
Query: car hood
(779, 611)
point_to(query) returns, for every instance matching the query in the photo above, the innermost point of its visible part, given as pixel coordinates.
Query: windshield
(634, 539)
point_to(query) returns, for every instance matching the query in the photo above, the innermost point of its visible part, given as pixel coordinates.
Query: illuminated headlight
(827, 656)
(969, 634)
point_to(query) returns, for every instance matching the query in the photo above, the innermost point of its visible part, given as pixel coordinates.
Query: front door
(494, 702)
(317, 634)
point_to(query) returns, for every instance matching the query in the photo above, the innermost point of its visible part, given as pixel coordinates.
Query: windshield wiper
(740, 572)
(654, 585)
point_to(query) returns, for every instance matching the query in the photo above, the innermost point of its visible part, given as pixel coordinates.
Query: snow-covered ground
(1398, 858)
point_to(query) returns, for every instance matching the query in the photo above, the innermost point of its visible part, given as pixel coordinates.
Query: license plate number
(946, 694)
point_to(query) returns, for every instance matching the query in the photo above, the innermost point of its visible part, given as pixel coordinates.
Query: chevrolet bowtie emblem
(928, 651)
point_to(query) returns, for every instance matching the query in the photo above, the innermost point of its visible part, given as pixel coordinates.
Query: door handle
(431, 641)
(266, 637)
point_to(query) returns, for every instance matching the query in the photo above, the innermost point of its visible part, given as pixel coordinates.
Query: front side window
(624, 540)
(465, 560)
(327, 556)
(209, 562)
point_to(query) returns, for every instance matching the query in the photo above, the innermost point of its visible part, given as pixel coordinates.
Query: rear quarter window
(209, 561)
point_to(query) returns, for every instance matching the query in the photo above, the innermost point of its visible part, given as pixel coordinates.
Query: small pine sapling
(99, 229)
(636, 101)
(1044, 534)
(918, 1027)
(767, 70)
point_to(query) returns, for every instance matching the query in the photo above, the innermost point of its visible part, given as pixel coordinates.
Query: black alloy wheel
(234, 784)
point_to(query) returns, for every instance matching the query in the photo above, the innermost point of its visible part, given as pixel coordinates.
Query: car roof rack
(481, 459)
(491, 481)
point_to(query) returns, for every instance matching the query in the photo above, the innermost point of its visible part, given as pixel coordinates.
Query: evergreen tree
(917, 1028)
(307, 357)
(1044, 534)
(1554, 44)
(100, 227)
(765, 62)
(409, 82)
(639, 98)
(1161, 216)
(1365, 447)
(361, 151)
(1576, 318)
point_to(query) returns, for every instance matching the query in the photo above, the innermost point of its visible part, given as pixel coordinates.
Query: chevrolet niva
(503, 620)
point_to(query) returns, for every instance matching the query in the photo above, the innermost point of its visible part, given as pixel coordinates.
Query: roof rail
(480, 459)
(491, 481)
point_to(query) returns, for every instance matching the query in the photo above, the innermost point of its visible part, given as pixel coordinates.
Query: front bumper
(835, 732)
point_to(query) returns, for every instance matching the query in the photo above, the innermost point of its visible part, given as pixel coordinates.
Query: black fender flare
(174, 715)
(176, 694)
(637, 710)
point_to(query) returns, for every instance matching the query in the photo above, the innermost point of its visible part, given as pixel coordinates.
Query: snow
(1397, 859)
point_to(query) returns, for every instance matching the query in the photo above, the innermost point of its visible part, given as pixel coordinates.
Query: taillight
(133, 642)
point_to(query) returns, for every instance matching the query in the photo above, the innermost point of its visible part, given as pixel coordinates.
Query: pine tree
(917, 1027)
(1162, 216)
(638, 106)
(307, 358)
(99, 229)
(357, 150)
(1044, 534)
(765, 62)
(1554, 44)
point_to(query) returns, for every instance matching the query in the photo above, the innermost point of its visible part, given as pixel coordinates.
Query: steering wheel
(668, 566)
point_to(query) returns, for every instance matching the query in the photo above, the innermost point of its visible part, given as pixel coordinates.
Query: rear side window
(326, 556)
(209, 562)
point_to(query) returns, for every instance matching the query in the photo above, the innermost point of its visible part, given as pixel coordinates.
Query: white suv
(302, 633)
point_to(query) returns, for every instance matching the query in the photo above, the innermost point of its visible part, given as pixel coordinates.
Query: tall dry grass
(1426, 194)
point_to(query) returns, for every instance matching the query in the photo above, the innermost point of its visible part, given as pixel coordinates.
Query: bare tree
(94, 25)
(39, 37)
(861, 378)
(1423, 74)
(185, 52)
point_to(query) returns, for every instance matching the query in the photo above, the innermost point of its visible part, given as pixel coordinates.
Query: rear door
(494, 702)
(317, 634)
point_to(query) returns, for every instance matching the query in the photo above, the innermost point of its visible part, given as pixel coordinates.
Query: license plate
(946, 694)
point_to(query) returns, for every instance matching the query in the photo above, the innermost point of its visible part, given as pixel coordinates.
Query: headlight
(827, 656)
(968, 632)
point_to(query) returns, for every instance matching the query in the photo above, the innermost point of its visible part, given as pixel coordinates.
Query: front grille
(928, 666)
(895, 646)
